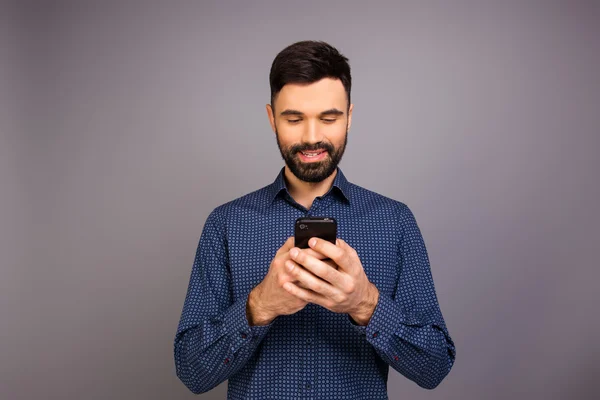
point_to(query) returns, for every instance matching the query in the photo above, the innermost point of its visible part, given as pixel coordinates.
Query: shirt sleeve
(408, 330)
(214, 339)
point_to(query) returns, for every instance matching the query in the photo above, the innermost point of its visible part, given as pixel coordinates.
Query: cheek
(337, 132)
(289, 136)
(339, 140)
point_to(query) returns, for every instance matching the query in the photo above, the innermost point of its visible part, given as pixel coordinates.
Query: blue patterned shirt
(314, 353)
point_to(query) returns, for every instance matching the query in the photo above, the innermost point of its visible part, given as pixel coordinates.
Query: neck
(307, 191)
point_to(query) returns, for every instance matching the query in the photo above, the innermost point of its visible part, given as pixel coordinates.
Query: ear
(271, 117)
(350, 115)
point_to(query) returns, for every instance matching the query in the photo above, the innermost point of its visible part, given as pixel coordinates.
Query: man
(283, 323)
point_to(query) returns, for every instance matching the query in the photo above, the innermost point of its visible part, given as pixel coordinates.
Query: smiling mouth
(311, 156)
(313, 153)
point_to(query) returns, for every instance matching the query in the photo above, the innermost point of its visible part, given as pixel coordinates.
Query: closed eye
(293, 121)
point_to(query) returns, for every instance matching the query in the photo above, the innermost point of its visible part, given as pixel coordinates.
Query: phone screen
(308, 227)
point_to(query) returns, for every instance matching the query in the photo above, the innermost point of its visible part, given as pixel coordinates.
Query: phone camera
(302, 226)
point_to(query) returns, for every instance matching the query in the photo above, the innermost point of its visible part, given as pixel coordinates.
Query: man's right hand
(269, 299)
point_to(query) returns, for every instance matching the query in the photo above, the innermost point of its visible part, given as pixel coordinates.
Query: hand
(343, 290)
(273, 300)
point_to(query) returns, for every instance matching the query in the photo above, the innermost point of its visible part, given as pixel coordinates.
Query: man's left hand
(343, 290)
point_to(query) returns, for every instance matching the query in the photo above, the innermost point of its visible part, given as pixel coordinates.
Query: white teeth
(311, 154)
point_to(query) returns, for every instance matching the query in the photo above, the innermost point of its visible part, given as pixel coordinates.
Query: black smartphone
(308, 227)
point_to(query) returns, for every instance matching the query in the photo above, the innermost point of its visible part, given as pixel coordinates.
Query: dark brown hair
(308, 61)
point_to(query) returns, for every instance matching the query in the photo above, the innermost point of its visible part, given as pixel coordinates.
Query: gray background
(123, 124)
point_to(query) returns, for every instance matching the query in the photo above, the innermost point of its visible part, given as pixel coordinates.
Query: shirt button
(396, 358)
(226, 360)
(243, 335)
(308, 385)
(309, 340)
(375, 334)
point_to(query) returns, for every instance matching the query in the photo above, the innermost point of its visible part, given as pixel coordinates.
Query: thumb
(289, 243)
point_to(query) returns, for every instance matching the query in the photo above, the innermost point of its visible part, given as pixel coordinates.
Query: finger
(336, 253)
(307, 295)
(310, 281)
(321, 269)
(301, 285)
(350, 251)
(345, 245)
(315, 254)
(330, 263)
(327, 261)
(289, 243)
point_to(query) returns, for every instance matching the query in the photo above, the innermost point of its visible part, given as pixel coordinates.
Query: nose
(311, 133)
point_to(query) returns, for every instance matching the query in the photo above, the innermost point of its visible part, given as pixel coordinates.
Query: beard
(315, 171)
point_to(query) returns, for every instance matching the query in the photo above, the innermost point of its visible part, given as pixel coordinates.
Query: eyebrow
(331, 111)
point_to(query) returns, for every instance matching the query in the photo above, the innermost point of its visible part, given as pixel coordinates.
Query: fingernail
(294, 252)
(312, 241)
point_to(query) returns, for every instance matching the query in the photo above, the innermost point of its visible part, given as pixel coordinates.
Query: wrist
(365, 310)
(256, 314)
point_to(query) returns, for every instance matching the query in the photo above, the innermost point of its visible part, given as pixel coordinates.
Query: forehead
(312, 98)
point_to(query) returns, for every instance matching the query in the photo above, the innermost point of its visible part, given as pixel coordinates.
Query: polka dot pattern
(314, 353)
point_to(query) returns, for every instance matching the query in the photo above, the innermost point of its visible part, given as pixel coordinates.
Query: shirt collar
(340, 182)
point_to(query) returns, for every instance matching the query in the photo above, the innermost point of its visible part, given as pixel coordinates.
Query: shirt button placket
(310, 350)
(314, 208)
